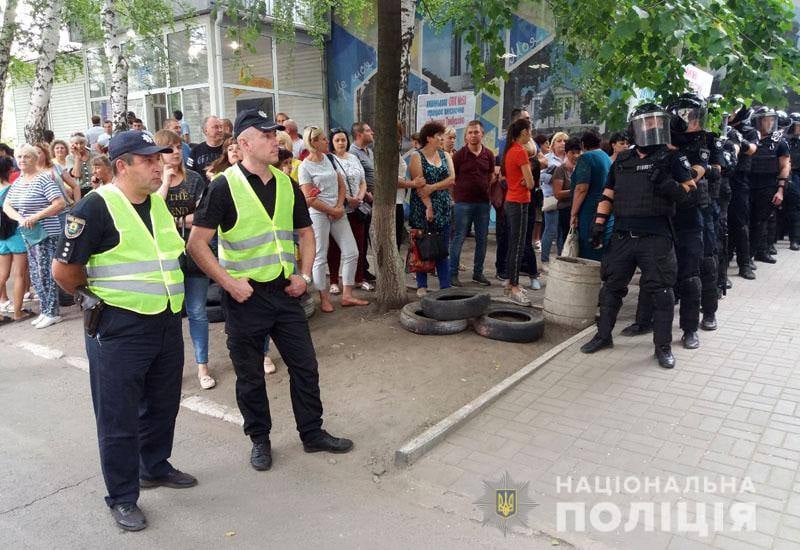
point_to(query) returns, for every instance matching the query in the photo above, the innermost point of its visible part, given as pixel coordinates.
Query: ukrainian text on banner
(455, 109)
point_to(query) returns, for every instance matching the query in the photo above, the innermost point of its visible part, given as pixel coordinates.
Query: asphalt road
(51, 493)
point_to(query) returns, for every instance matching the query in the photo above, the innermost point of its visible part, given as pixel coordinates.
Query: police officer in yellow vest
(255, 207)
(120, 243)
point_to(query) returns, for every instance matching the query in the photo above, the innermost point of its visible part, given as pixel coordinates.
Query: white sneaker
(48, 321)
(6, 307)
(39, 319)
(519, 297)
(269, 366)
(535, 284)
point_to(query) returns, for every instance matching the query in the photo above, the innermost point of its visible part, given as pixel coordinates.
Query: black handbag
(7, 226)
(430, 244)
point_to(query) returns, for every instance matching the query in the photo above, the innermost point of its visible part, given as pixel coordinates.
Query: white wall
(67, 108)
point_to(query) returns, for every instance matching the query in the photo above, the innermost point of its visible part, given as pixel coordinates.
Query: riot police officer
(642, 191)
(769, 172)
(791, 203)
(744, 136)
(125, 237)
(727, 167)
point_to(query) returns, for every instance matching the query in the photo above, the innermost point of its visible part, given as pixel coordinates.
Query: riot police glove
(598, 231)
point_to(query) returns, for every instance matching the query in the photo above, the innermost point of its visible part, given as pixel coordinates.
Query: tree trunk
(117, 65)
(391, 284)
(45, 71)
(9, 27)
(408, 10)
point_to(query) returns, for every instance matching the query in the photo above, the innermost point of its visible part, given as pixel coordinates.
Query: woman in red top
(517, 170)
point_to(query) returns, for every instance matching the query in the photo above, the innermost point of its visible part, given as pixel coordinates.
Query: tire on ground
(510, 324)
(215, 314)
(455, 303)
(414, 320)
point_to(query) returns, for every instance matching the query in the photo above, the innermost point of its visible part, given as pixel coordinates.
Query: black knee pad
(690, 288)
(708, 267)
(663, 299)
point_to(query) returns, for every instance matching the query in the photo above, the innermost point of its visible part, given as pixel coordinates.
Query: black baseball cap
(254, 118)
(133, 141)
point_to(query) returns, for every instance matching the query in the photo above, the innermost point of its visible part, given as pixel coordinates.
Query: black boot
(765, 258)
(728, 283)
(746, 272)
(794, 246)
(635, 329)
(690, 339)
(664, 356)
(772, 250)
(596, 344)
(709, 322)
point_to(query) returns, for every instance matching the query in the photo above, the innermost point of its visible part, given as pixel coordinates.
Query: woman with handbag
(430, 204)
(181, 189)
(516, 168)
(355, 207)
(13, 256)
(561, 188)
(324, 187)
(34, 202)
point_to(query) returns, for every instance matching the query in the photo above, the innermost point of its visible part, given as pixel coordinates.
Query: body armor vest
(635, 183)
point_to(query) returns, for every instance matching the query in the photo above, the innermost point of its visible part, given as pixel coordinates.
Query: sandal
(324, 309)
(206, 382)
(334, 289)
(366, 285)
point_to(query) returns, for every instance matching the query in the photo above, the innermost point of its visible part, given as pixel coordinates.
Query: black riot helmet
(648, 125)
(783, 120)
(765, 120)
(794, 124)
(688, 113)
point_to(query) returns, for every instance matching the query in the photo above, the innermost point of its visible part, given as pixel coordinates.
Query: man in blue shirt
(588, 180)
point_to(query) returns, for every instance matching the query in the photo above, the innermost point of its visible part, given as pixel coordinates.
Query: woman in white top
(355, 208)
(323, 185)
(555, 158)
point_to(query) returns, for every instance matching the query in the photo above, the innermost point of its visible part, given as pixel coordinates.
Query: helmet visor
(651, 129)
(692, 116)
(766, 124)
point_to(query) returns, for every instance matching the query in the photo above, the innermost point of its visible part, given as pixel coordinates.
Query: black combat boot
(664, 356)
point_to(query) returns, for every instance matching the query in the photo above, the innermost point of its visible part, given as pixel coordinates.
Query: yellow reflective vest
(258, 247)
(142, 273)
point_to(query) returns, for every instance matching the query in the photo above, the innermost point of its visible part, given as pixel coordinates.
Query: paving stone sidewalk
(730, 409)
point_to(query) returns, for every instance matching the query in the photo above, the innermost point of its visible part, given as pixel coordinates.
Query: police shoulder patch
(74, 227)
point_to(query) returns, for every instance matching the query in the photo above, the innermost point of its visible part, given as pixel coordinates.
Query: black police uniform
(764, 170)
(269, 312)
(135, 366)
(791, 202)
(739, 208)
(645, 194)
(728, 166)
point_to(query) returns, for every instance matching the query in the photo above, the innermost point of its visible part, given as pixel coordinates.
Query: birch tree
(9, 27)
(408, 18)
(113, 46)
(51, 17)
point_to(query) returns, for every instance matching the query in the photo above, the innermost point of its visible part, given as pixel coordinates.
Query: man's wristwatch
(307, 279)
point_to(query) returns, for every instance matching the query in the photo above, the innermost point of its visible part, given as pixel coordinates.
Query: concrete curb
(413, 449)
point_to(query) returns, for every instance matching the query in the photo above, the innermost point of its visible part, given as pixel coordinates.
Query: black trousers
(272, 314)
(739, 222)
(399, 224)
(791, 209)
(723, 242)
(135, 371)
(501, 235)
(655, 256)
(761, 208)
(709, 299)
(516, 214)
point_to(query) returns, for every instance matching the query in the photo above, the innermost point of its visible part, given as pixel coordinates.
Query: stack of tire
(216, 314)
(450, 311)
